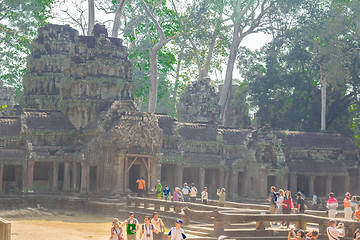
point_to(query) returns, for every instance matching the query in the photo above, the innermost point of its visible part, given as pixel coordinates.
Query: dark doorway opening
(320, 186)
(12, 178)
(134, 174)
(271, 181)
(302, 185)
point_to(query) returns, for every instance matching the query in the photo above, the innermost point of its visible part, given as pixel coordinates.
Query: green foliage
(283, 77)
(3, 107)
(19, 20)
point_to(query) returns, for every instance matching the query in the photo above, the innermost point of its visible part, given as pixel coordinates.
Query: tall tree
(247, 16)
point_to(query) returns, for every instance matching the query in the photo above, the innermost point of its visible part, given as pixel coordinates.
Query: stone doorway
(134, 174)
(93, 178)
(136, 166)
(303, 184)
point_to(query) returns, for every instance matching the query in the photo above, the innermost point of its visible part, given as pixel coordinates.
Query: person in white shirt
(186, 192)
(193, 192)
(176, 233)
(333, 231)
(204, 196)
(147, 230)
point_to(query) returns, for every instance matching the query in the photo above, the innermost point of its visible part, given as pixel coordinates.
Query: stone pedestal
(55, 177)
(66, 183)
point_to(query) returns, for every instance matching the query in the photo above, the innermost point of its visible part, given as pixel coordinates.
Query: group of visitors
(281, 202)
(333, 232)
(351, 207)
(152, 229)
(187, 194)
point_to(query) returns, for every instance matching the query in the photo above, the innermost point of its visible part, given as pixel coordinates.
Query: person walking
(272, 200)
(332, 205)
(116, 230)
(147, 230)
(333, 230)
(132, 226)
(141, 186)
(222, 196)
(193, 193)
(300, 205)
(315, 203)
(177, 195)
(166, 192)
(159, 224)
(287, 205)
(185, 192)
(177, 233)
(205, 196)
(347, 206)
(158, 189)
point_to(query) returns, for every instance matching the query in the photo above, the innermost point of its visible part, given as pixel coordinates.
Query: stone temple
(80, 132)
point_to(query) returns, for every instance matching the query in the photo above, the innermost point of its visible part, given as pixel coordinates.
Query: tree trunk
(91, 19)
(323, 98)
(153, 81)
(358, 26)
(117, 19)
(205, 71)
(225, 92)
(177, 75)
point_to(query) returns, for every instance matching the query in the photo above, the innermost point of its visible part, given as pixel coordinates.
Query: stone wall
(6, 98)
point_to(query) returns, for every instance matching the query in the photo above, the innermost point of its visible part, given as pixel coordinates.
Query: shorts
(272, 209)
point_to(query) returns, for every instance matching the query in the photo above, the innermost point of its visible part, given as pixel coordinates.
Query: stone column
(329, 184)
(83, 184)
(357, 179)
(293, 183)
(66, 183)
(285, 179)
(75, 182)
(311, 185)
(55, 176)
(221, 178)
(1, 177)
(179, 175)
(30, 175)
(88, 178)
(201, 179)
(234, 185)
(227, 177)
(262, 182)
(346, 183)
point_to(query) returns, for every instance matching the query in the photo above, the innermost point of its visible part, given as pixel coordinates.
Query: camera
(148, 235)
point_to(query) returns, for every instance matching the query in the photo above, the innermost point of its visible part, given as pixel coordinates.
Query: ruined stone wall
(78, 75)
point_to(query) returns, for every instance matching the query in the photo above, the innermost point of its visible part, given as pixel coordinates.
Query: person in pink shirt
(332, 205)
(177, 195)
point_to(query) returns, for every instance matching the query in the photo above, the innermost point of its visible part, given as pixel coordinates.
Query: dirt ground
(31, 224)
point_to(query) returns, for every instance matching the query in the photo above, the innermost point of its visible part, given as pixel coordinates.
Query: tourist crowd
(152, 229)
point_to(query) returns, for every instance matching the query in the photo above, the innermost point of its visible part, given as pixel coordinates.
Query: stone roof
(202, 158)
(235, 136)
(166, 123)
(306, 166)
(311, 140)
(46, 120)
(10, 126)
(12, 154)
(197, 131)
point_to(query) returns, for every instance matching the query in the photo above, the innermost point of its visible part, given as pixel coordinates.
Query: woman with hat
(116, 230)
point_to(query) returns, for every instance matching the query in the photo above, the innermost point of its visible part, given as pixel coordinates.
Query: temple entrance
(134, 174)
(136, 166)
(93, 177)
